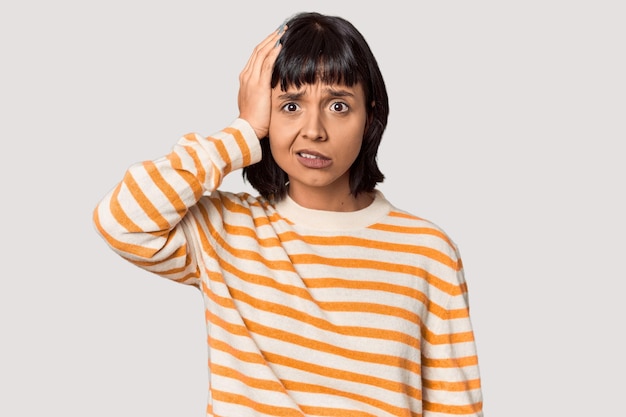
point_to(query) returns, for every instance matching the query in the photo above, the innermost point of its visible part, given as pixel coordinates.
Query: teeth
(309, 156)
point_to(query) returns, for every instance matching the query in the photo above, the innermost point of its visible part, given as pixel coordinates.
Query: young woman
(321, 297)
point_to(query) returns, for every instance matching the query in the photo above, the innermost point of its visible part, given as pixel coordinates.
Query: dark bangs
(316, 50)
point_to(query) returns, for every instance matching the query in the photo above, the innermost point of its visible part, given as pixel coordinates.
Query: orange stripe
(468, 385)
(178, 253)
(411, 231)
(144, 202)
(223, 152)
(149, 262)
(191, 275)
(272, 410)
(373, 244)
(222, 301)
(450, 363)
(442, 285)
(447, 338)
(233, 329)
(379, 245)
(165, 188)
(243, 145)
(371, 308)
(403, 215)
(119, 245)
(390, 288)
(258, 383)
(118, 212)
(198, 164)
(250, 357)
(233, 207)
(326, 411)
(268, 282)
(332, 412)
(453, 409)
(270, 242)
(334, 373)
(195, 183)
(376, 358)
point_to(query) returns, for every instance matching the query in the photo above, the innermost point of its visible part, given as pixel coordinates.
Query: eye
(339, 107)
(290, 107)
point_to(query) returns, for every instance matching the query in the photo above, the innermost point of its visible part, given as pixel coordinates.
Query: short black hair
(329, 49)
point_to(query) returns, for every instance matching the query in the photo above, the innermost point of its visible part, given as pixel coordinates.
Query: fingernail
(281, 28)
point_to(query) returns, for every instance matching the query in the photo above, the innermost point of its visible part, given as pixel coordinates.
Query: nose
(313, 126)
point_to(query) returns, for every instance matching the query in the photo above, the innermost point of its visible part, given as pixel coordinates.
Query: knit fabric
(308, 312)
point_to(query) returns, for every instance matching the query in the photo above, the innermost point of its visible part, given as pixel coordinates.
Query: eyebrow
(332, 91)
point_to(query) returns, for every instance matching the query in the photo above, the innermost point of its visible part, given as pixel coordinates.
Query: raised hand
(255, 95)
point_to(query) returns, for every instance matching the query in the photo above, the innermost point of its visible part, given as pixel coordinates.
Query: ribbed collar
(334, 220)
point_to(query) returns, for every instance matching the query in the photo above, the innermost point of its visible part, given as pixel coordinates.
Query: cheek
(356, 148)
(356, 138)
(278, 128)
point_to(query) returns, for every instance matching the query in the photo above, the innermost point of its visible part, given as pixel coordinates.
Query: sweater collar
(333, 220)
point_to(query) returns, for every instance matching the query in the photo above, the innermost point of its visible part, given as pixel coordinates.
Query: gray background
(507, 127)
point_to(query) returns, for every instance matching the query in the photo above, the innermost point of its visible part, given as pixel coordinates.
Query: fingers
(268, 48)
(254, 97)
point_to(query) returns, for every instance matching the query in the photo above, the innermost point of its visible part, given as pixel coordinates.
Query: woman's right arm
(141, 218)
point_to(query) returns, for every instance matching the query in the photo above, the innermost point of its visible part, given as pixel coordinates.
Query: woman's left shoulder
(417, 230)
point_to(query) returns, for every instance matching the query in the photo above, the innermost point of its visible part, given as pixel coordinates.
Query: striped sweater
(308, 312)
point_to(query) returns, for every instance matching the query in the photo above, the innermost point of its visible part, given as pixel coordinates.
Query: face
(316, 133)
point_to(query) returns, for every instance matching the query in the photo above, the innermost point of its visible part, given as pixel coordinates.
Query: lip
(312, 159)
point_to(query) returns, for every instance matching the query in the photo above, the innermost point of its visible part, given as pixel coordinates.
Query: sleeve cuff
(250, 141)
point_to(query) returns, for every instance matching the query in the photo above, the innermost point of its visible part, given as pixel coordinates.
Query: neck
(330, 201)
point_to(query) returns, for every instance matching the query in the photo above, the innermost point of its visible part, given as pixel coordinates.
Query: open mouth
(310, 155)
(313, 160)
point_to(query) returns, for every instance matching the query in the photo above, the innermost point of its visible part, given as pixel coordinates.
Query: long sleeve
(141, 218)
(450, 373)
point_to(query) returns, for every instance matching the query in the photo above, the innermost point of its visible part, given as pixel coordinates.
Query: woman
(321, 297)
